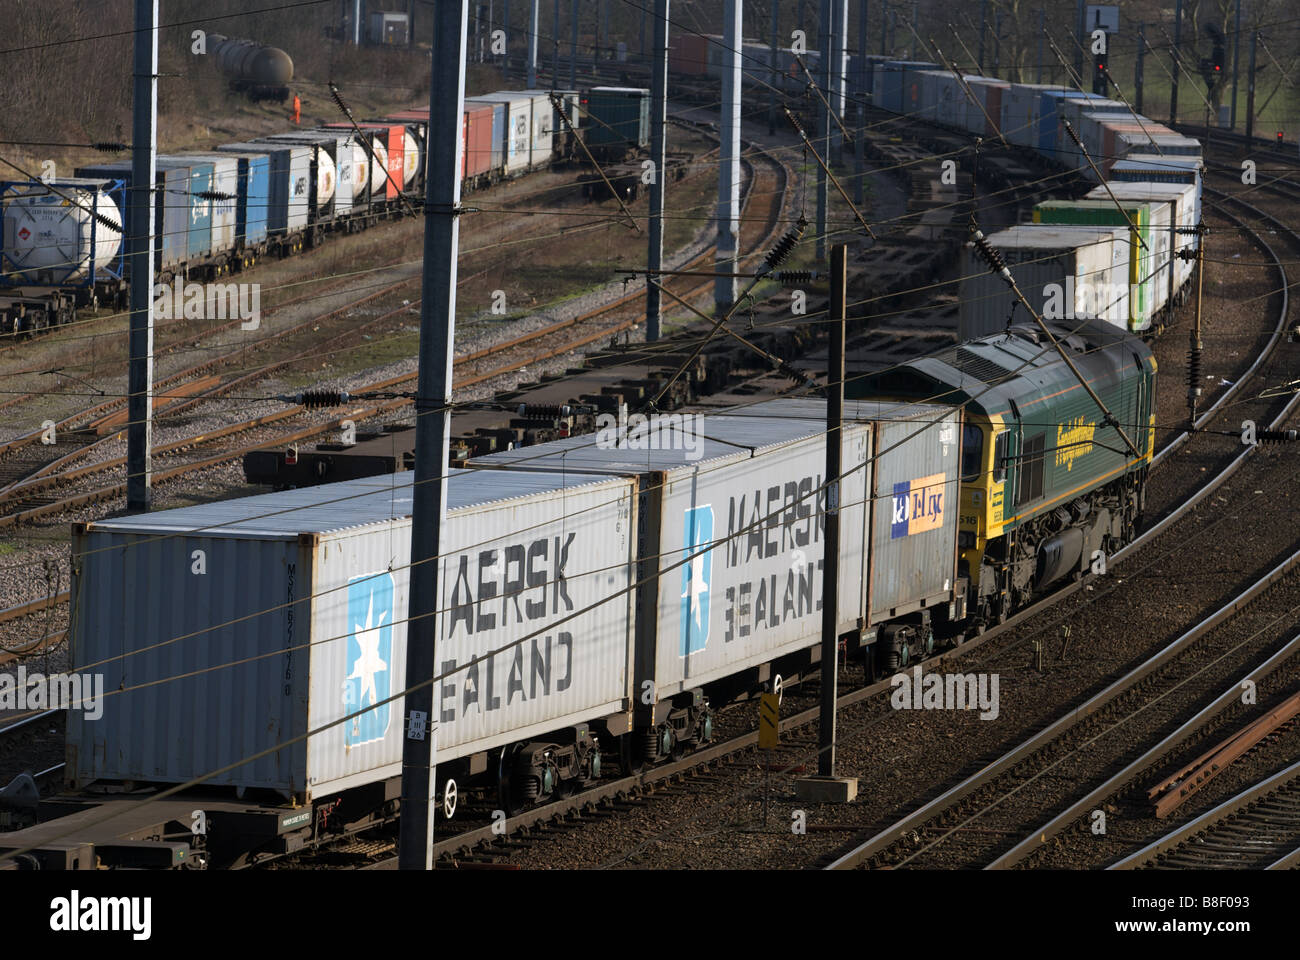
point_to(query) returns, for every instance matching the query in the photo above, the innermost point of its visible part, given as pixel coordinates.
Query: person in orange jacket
(297, 109)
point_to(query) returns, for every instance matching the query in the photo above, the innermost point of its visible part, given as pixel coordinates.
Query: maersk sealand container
(732, 593)
(234, 627)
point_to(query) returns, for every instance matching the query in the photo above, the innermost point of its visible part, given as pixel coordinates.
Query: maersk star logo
(696, 573)
(370, 657)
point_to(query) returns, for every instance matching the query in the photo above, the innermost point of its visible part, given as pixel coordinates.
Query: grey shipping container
(233, 627)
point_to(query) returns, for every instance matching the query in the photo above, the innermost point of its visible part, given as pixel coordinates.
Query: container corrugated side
(198, 180)
(144, 616)
(517, 132)
(510, 569)
(1086, 264)
(318, 621)
(1181, 200)
(225, 180)
(914, 501)
(757, 593)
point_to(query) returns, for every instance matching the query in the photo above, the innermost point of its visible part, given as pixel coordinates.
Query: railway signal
(1099, 74)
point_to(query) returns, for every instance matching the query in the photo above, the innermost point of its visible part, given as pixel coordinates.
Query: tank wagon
(254, 69)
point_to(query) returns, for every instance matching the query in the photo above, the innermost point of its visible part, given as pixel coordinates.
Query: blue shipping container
(171, 209)
(288, 195)
(198, 175)
(254, 191)
(1049, 118)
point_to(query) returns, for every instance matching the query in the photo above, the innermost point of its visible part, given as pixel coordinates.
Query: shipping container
(232, 627)
(388, 141)
(290, 184)
(1085, 116)
(913, 491)
(688, 53)
(225, 181)
(1022, 105)
(897, 86)
(936, 94)
(541, 144)
(1148, 232)
(198, 181)
(1180, 198)
(516, 137)
(741, 600)
(477, 141)
(332, 170)
(985, 118)
(171, 208)
(50, 242)
(416, 161)
(1064, 273)
(618, 120)
(1050, 116)
(254, 187)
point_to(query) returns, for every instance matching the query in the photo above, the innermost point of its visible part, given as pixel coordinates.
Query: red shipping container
(393, 140)
(993, 106)
(476, 140)
(689, 53)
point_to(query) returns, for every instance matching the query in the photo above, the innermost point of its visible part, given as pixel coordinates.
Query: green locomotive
(1046, 481)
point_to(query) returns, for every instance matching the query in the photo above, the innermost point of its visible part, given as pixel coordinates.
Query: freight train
(219, 211)
(598, 597)
(1129, 263)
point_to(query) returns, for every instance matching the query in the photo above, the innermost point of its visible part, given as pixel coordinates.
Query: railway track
(1258, 829)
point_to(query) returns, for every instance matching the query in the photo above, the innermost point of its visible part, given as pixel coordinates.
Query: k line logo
(696, 574)
(918, 505)
(369, 657)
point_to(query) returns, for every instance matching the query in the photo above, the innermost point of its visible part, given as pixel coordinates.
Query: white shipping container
(518, 135)
(1179, 199)
(48, 240)
(1063, 271)
(541, 120)
(935, 86)
(268, 616)
(1021, 103)
(745, 599)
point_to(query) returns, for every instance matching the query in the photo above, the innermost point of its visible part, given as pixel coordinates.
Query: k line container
(1064, 272)
(297, 619)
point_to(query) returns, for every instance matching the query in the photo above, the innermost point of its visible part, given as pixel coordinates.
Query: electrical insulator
(795, 278)
(778, 254)
(108, 147)
(544, 411)
(312, 399)
(991, 256)
(1276, 436)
